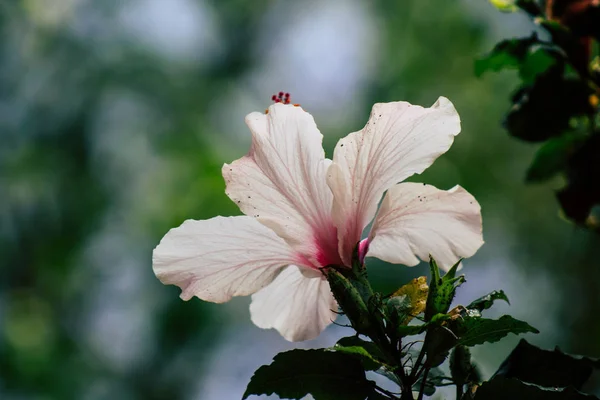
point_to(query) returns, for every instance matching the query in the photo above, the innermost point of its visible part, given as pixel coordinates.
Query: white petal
(299, 307)
(281, 181)
(416, 220)
(219, 258)
(398, 141)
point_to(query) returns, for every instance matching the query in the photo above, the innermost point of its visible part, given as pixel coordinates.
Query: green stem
(414, 374)
(423, 381)
(386, 392)
(407, 393)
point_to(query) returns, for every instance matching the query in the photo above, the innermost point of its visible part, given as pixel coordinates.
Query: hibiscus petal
(399, 140)
(299, 307)
(282, 181)
(416, 220)
(219, 258)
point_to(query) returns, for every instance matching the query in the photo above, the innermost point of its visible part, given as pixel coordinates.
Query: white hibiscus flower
(305, 212)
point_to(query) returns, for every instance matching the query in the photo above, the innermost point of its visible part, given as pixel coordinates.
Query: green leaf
(537, 61)
(367, 352)
(324, 374)
(441, 290)
(508, 54)
(472, 331)
(486, 302)
(505, 5)
(553, 156)
(547, 368)
(501, 388)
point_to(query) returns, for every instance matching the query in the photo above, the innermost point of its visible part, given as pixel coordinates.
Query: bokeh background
(115, 118)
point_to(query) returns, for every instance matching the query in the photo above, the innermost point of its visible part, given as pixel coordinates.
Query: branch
(423, 381)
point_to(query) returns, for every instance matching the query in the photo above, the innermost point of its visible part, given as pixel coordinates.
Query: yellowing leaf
(410, 300)
(416, 290)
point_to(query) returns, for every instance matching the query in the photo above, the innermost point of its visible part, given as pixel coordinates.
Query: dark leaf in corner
(554, 368)
(583, 172)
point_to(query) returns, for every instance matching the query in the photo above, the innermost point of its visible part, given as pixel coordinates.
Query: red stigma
(283, 98)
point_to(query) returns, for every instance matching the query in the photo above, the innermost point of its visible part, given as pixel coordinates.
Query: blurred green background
(115, 118)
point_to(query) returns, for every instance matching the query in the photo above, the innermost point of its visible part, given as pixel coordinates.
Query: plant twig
(416, 365)
(391, 395)
(423, 382)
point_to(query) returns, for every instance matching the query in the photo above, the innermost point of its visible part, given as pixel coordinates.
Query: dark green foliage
(543, 109)
(469, 331)
(501, 388)
(582, 192)
(530, 56)
(533, 373)
(296, 373)
(438, 343)
(559, 84)
(461, 326)
(508, 54)
(554, 368)
(487, 301)
(582, 18)
(324, 374)
(553, 156)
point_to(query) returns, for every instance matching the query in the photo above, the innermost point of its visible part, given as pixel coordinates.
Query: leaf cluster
(556, 104)
(387, 324)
